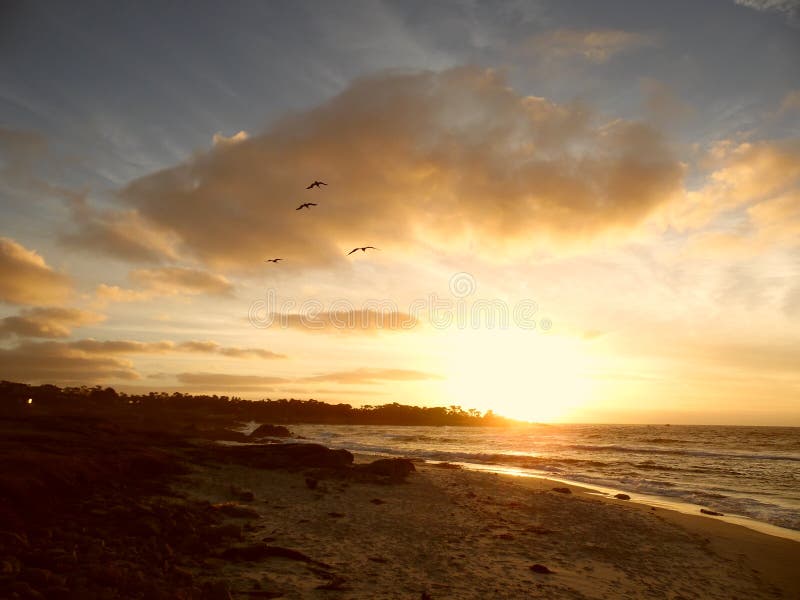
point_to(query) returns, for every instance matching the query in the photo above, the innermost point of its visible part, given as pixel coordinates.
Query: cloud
(790, 8)
(433, 159)
(20, 151)
(168, 281)
(113, 293)
(25, 278)
(224, 380)
(198, 347)
(597, 45)
(50, 322)
(221, 140)
(364, 376)
(363, 321)
(118, 234)
(760, 181)
(369, 376)
(661, 103)
(790, 103)
(58, 363)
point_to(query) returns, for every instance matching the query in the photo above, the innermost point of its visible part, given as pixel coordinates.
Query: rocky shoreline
(87, 510)
(97, 508)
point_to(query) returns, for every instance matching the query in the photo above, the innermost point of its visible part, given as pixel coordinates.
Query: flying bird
(363, 249)
(316, 184)
(307, 205)
(273, 260)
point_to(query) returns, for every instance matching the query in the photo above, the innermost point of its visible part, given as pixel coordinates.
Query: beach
(453, 533)
(98, 509)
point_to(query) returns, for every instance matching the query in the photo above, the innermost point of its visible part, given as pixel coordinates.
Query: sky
(583, 211)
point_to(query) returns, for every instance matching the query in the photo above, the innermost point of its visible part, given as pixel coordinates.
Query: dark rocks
(562, 490)
(242, 495)
(266, 430)
(229, 509)
(712, 513)
(622, 497)
(216, 590)
(537, 568)
(217, 533)
(260, 551)
(289, 456)
(336, 584)
(394, 469)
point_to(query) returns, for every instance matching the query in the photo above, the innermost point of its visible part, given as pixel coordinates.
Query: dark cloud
(58, 363)
(25, 278)
(50, 322)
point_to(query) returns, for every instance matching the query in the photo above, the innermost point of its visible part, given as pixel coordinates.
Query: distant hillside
(188, 408)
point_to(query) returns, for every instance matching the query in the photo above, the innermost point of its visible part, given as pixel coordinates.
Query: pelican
(316, 184)
(273, 260)
(307, 205)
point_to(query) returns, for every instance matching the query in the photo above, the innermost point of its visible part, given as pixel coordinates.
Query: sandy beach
(92, 509)
(452, 533)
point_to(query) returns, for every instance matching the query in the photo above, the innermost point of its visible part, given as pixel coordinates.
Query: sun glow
(520, 374)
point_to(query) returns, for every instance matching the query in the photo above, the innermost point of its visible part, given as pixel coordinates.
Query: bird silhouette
(316, 184)
(363, 249)
(307, 205)
(273, 260)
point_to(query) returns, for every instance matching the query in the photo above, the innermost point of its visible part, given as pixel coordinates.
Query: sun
(520, 374)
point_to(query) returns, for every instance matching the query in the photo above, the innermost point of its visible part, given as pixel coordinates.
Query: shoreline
(464, 533)
(116, 510)
(662, 502)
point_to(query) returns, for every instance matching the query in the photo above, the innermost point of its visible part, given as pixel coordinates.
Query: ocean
(751, 474)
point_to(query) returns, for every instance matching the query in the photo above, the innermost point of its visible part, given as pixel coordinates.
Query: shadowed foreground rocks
(87, 512)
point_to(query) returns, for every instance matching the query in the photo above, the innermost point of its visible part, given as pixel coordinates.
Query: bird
(316, 184)
(363, 249)
(307, 205)
(273, 260)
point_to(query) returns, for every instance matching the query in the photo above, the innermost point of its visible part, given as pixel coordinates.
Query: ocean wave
(688, 452)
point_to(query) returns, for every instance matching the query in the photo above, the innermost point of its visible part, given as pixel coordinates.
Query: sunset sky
(621, 180)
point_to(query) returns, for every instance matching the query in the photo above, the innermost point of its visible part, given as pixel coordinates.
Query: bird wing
(353, 250)
(370, 247)
(299, 207)
(311, 204)
(321, 183)
(310, 186)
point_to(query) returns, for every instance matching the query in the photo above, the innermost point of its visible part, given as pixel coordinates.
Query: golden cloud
(363, 321)
(124, 235)
(92, 346)
(50, 322)
(369, 376)
(25, 277)
(169, 281)
(224, 380)
(436, 159)
(760, 180)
